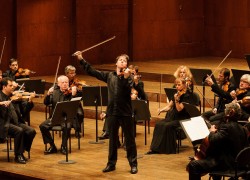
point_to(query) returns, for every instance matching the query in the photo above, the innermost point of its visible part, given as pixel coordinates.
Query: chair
(59, 129)
(141, 113)
(241, 166)
(9, 148)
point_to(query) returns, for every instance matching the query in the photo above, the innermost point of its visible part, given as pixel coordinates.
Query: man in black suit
(55, 95)
(12, 123)
(119, 110)
(224, 144)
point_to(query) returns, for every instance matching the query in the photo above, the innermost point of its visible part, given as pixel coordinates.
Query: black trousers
(126, 122)
(17, 133)
(198, 168)
(78, 120)
(28, 136)
(45, 128)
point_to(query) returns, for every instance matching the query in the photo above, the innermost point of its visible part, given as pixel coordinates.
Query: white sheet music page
(195, 128)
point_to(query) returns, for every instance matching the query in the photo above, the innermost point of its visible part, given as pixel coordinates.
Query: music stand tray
(170, 93)
(191, 109)
(31, 85)
(64, 113)
(95, 96)
(237, 75)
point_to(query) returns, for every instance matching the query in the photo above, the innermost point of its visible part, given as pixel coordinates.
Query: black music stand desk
(170, 93)
(95, 96)
(199, 76)
(141, 112)
(64, 113)
(237, 75)
(31, 85)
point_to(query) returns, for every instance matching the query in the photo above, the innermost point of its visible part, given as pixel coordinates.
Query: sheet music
(195, 128)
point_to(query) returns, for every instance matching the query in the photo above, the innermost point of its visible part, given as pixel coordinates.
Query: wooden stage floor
(92, 158)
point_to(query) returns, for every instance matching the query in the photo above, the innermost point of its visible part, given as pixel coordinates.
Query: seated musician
(70, 72)
(242, 96)
(223, 90)
(14, 72)
(185, 73)
(224, 144)
(138, 89)
(164, 137)
(53, 96)
(12, 123)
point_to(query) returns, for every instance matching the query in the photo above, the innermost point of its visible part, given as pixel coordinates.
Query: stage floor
(92, 158)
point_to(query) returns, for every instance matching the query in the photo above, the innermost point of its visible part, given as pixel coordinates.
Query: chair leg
(8, 150)
(69, 143)
(83, 128)
(78, 143)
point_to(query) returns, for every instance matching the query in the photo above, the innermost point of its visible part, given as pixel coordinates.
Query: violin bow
(160, 92)
(221, 63)
(2, 50)
(59, 60)
(95, 45)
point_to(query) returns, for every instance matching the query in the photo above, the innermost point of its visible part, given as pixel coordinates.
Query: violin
(79, 84)
(20, 96)
(240, 91)
(245, 101)
(23, 72)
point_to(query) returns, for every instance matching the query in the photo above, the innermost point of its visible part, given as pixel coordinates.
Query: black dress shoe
(19, 159)
(63, 150)
(134, 170)
(51, 150)
(26, 159)
(104, 136)
(77, 135)
(151, 152)
(108, 168)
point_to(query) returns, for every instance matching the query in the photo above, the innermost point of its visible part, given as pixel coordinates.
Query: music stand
(31, 85)
(247, 56)
(95, 96)
(191, 109)
(64, 113)
(141, 112)
(170, 93)
(199, 76)
(237, 75)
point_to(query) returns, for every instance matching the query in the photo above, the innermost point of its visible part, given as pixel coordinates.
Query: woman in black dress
(164, 137)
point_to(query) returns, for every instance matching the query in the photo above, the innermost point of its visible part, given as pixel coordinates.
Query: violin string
(59, 60)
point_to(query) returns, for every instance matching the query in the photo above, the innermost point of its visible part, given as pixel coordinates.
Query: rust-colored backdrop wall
(38, 32)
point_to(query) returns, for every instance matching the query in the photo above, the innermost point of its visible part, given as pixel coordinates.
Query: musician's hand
(32, 95)
(233, 94)
(74, 90)
(127, 73)
(102, 115)
(78, 55)
(5, 103)
(213, 128)
(209, 80)
(214, 110)
(50, 91)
